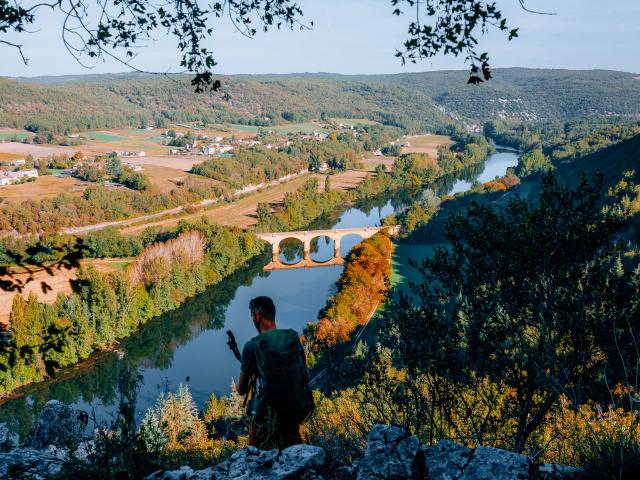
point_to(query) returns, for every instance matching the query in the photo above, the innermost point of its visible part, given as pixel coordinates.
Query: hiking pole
(233, 345)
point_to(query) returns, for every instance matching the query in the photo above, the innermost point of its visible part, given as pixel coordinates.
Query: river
(188, 345)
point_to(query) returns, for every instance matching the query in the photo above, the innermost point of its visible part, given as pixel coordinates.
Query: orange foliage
(362, 285)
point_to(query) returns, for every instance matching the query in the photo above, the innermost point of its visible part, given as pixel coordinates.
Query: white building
(7, 178)
(19, 162)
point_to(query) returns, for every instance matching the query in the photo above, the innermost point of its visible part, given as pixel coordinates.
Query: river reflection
(188, 344)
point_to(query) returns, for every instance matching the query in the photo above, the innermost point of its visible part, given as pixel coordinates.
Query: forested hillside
(413, 101)
(61, 104)
(528, 94)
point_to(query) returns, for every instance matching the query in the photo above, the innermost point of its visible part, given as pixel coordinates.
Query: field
(308, 128)
(44, 187)
(425, 144)
(353, 121)
(21, 150)
(10, 133)
(181, 163)
(165, 178)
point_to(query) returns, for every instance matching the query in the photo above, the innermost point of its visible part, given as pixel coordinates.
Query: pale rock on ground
(390, 455)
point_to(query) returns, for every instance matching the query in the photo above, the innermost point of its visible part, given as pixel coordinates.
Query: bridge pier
(306, 256)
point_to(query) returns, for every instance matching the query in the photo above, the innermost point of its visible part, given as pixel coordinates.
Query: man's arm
(243, 383)
(247, 367)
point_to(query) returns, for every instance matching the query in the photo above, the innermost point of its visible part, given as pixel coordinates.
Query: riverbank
(182, 346)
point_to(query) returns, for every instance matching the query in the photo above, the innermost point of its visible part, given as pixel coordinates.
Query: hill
(528, 94)
(417, 102)
(60, 104)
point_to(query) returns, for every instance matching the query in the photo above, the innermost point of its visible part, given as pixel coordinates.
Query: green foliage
(529, 298)
(391, 150)
(106, 307)
(109, 242)
(251, 166)
(533, 161)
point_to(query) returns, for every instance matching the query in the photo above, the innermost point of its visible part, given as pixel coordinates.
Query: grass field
(10, 134)
(353, 121)
(36, 151)
(6, 156)
(425, 144)
(105, 137)
(44, 187)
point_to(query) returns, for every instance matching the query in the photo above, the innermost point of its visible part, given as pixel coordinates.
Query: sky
(360, 36)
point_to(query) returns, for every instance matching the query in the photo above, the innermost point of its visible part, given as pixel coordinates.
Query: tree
(530, 298)
(533, 161)
(327, 184)
(116, 29)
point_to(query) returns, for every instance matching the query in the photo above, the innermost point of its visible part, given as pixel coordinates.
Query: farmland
(44, 187)
(425, 144)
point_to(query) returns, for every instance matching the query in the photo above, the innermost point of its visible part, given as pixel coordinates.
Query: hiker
(274, 373)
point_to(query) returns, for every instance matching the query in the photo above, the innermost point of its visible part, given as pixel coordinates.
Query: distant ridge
(425, 101)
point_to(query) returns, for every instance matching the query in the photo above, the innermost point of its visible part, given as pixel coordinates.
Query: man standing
(274, 372)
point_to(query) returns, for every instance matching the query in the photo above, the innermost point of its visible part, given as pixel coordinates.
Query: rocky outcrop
(390, 455)
(54, 430)
(57, 424)
(298, 461)
(30, 463)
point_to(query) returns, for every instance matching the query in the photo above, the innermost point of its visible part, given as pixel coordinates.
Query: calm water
(188, 345)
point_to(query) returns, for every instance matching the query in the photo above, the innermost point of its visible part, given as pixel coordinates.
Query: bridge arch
(323, 248)
(291, 251)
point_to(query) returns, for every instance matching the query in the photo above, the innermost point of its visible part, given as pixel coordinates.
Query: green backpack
(285, 379)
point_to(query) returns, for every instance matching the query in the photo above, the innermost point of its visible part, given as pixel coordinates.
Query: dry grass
(44, 187)
(5, 156)
(425, 144)
(183, 163)
(36, 151)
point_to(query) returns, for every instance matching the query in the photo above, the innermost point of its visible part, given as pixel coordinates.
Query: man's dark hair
(264, 306)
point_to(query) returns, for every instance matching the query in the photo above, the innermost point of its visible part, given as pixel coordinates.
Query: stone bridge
(275, 239)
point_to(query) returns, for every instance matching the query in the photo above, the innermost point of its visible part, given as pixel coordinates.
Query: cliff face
(390, 454)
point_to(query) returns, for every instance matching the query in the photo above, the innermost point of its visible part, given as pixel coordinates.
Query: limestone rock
(495, 464)
(183, 473)
(297, 459)
(446, 460)
(552, 471)
(390, 454)
(29, 463)
(57, 424)
(8, 440)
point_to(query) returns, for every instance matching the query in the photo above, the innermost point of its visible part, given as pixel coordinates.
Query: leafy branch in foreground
(117, 29)
(453, 28)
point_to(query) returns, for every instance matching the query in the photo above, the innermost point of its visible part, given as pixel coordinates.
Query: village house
(8, 178)
(19, 162)
(216, 148)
